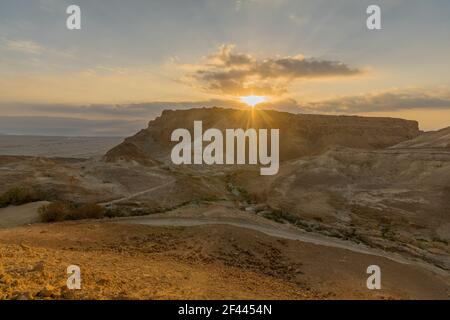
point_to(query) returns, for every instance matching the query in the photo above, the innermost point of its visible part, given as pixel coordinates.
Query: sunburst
(253, 100)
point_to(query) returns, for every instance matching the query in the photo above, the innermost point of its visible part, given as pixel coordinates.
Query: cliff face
(300, 135)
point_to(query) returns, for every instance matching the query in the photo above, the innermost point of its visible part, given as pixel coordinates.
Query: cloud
(126, 119)
(133, 111)
(228, 72)
(392, 100)
(52, 5)
(34, 49)
(297, 20)
(90, 120)
(388, 101)
(25, 46)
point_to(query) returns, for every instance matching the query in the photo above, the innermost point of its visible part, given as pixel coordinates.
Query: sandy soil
(14, 216)
(213, 262)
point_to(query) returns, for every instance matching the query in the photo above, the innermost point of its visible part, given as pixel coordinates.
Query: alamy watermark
(74, 280)
(373, 21)
(73, 21)
(374, 280)
(234, 150)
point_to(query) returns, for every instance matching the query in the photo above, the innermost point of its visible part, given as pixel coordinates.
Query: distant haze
(70, 147)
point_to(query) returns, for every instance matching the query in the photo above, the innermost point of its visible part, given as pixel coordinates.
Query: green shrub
(20, 195)
(60, 211)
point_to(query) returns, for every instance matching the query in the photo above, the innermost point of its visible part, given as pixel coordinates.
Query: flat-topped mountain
(300, 134)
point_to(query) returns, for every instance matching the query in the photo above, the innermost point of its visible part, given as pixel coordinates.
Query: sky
(132, 59)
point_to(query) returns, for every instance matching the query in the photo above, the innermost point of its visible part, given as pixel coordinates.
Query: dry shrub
(60, 211)
(53, 212)
(20, 195)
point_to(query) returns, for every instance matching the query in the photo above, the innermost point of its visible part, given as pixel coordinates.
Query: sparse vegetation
(239, 192)
(439, 239)
(387, 233)
(20, 195)
(282, 216)
(64, 210)
(61, 211)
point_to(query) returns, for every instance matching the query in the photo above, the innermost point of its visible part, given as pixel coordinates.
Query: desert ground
(351, 192)
(212, 261)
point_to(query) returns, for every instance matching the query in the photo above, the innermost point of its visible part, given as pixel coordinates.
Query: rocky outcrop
(300, 134)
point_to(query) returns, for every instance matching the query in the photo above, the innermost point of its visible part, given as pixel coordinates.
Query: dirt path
(137, 194)
(290, 234)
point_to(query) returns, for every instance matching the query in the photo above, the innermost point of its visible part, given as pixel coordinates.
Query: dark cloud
(240, 74)
(387, 101)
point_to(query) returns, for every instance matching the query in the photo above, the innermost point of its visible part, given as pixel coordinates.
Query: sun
(253, 100)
